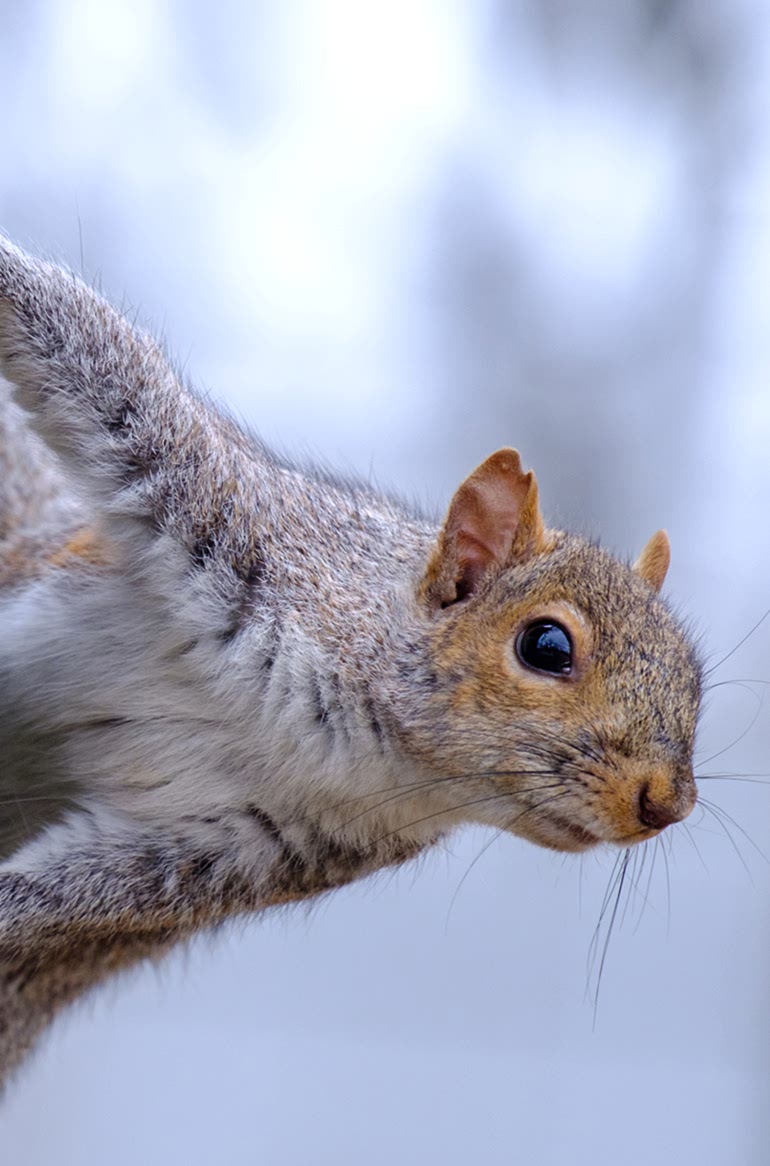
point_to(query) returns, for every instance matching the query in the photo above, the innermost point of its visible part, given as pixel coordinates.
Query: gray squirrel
(228, 683)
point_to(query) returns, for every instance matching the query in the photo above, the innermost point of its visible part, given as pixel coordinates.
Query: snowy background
(401, 235)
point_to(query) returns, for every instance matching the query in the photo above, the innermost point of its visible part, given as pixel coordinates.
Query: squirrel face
(569, 694)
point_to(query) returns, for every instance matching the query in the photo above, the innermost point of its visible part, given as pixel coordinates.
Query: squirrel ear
(493, 521)
(653, 562)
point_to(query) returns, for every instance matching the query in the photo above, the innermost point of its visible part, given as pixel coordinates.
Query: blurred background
(400, 235)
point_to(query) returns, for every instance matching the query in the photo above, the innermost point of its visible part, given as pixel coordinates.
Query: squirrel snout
(663, 803)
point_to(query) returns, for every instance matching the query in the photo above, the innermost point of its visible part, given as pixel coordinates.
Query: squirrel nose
(658, 810)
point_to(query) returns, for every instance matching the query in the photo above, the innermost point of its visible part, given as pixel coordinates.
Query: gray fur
(237, 696)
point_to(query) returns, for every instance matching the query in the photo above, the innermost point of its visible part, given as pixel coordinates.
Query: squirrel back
(228, 683)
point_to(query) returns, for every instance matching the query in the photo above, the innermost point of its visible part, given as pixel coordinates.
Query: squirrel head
(566, 695)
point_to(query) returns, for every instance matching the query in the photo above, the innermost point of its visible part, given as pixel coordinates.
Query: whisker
(610, 928)
(711, 810)
(638, 892)
(668, 884)
(737, 825)
(539, 741)
(471, 774)
(459, 886)
(408, 790)
(608, 893)
(649, 882)
(401, 790)
(699, 825)
(744, 681)
(740, 644)
(695, 845)
(467, 805)
(760, 700)
(631, 878)
(749, 778)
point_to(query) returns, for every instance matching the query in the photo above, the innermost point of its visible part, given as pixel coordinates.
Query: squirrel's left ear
(654, 560)
(493, 522)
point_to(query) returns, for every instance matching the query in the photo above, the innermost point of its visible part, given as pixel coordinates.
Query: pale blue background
(400, 235)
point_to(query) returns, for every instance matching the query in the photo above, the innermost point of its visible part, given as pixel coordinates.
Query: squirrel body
(228, 683)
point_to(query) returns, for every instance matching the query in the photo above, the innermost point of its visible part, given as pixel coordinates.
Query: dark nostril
(652, 814)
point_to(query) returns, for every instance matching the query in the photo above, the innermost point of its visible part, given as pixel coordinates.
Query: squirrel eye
(546, 647)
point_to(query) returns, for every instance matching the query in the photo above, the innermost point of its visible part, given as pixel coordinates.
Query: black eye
(545, 647)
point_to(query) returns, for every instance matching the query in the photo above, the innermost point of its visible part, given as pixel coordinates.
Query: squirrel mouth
(561, 834)
(581, 838)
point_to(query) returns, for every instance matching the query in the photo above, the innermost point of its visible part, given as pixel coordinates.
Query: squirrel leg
(69, 923)
(166, 474)
(93, 384)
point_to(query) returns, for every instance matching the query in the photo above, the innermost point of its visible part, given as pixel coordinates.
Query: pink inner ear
(474, 560)
(502, 499)
(493, 520)
(486, 517)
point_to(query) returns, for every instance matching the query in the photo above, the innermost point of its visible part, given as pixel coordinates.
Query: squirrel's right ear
(653, 563)
(493, 522)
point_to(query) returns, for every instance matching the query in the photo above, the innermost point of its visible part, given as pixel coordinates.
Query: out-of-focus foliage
(402, 234)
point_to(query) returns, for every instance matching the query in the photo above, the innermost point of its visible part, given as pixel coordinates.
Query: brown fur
(227, 683)
(85, 546)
